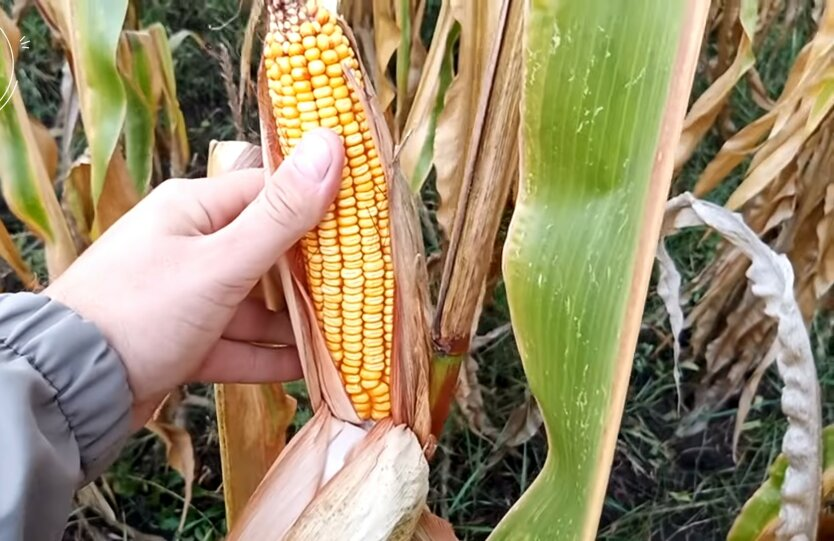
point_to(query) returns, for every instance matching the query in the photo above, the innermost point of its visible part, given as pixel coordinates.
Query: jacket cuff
(85, 373)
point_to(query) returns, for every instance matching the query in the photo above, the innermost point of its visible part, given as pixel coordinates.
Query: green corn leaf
(91, 30)
(27, 187)
(173, 119)
(606, 86)
(143, 87)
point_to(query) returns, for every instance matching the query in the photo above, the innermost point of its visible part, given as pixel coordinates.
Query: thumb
(292, 202)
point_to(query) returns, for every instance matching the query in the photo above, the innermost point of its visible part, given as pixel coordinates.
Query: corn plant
(572, 110)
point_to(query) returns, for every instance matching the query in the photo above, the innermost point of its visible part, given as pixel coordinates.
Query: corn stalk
(600, 122)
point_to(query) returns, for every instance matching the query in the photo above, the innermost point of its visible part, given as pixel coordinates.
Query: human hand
(167, 284)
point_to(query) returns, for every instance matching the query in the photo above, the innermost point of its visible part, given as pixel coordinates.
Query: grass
(661, 487)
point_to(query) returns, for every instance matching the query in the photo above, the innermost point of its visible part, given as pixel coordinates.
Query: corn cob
(347, 256)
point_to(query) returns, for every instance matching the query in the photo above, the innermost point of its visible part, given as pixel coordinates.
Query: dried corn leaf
(118, 196)
(709, 105)
(11, 255)
(729, 329)
(778, 136)
(175, 132)
(386, 33)
(479, 22)
(772, 279)
(433, 528)
(249, 35)
(168, 425)
(824, 275)
(417, 151)
(524, 422)
(469, 397)
(47, 146)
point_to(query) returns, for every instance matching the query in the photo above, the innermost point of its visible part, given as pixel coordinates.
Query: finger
(291, 203)
(212, 203)
(239, 362)
(253, 322)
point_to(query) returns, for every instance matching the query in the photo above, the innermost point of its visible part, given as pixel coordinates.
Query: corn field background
(674, 475)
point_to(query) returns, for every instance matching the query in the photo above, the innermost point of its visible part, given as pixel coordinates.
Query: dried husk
(378, 495)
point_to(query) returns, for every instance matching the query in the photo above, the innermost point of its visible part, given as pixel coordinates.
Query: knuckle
(285, 207)
(172, 190)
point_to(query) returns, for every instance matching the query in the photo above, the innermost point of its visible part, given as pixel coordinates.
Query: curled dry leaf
(783, 199)
(470, 399)
(479, 24)
(729, 329)
(668, 288)
(759, 518)
(167, 423)
(772, 281)
(524, 422)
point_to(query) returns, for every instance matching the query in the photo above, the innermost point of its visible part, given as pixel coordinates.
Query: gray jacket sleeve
(64, 413)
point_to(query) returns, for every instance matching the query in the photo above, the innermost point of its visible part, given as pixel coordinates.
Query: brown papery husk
(291, 483)
(378, 495)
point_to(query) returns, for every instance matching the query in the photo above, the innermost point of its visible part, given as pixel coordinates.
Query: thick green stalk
(606, 85)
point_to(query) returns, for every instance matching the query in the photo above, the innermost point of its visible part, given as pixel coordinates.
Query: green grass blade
(605, 91)
(425, 158)
(403, 54)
